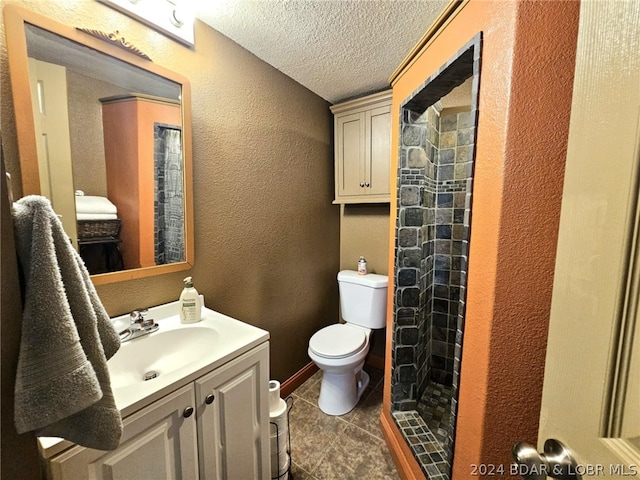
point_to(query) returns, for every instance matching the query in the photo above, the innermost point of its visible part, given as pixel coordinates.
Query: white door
(590, 399)
(51, 121)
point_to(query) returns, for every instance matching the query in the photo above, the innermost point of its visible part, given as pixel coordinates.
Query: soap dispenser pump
(190, 305)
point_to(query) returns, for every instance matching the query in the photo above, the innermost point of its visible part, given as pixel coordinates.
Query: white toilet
(339, 350)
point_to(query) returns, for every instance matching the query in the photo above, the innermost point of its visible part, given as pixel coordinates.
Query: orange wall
(130, 171)
(527, 63)
(121, 150)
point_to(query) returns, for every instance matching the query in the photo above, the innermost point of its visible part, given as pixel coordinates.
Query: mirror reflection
(110, 153)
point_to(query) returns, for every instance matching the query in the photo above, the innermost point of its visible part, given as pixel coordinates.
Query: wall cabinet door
(377, 157)
(233, 418)
(363, 149)
(350, 154)
(158, 442)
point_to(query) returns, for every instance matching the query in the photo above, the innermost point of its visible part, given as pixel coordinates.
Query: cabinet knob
(367, 184)
(362, 184)
(187, 412)
(210, 398)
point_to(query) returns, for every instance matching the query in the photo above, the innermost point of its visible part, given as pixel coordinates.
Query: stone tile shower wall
(434, 206)
(435, 174)
(434, 198)
(414, 255)
(455, 167)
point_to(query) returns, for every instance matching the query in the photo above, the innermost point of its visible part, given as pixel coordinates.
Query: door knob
(210, 398)
(556, 461)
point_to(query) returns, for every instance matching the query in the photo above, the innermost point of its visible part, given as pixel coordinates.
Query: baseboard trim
(297, 379)
(302, 375)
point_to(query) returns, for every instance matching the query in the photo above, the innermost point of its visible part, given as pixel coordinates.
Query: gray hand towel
(62, 381)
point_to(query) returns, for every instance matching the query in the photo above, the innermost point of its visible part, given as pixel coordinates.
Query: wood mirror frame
(16, 19)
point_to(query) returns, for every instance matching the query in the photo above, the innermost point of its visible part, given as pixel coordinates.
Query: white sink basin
(159, 353)
(175, 354)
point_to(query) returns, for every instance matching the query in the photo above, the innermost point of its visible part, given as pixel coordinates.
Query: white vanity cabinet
(158, 442)
(362, 131)
(214, 427)
(233, 412)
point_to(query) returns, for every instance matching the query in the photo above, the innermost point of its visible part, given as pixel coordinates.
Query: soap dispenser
(190, 305)
(362, 266)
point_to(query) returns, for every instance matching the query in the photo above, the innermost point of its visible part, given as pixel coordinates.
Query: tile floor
(347, 447)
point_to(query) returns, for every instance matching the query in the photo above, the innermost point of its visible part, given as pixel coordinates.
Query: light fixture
(173, 18)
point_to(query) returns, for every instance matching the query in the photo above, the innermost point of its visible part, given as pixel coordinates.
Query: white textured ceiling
(338, 49)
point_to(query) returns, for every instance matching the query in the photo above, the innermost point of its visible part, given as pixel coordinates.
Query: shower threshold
(425, 446)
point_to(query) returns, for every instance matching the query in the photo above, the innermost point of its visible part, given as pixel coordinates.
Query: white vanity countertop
(179, 353)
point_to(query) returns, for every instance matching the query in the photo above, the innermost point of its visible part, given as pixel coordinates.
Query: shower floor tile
(424, 444)
(435, 409)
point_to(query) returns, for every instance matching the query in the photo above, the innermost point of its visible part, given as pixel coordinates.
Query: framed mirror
(105, 134)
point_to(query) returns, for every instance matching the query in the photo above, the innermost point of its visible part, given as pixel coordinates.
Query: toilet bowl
(339, 350)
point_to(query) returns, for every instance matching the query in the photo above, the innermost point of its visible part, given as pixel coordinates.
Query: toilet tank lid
(369, 280)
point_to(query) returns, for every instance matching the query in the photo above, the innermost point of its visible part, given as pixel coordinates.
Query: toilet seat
(338, 341)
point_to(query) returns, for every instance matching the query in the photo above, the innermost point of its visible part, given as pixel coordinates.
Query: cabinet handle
(210, 398)
(367, 184)
(187, 412)
(362, 184)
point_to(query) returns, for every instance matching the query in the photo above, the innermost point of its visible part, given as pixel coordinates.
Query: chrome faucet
(139, 326)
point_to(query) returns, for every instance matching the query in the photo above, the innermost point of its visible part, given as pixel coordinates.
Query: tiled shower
(435, 177)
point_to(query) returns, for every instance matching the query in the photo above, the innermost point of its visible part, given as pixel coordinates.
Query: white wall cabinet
(363, 149)
(216, 427)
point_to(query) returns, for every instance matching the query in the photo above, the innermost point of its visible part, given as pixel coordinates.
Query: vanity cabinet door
(159, 442)
(233, 418)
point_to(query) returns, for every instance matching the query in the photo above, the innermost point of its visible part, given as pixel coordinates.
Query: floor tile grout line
(331, 443)
(328, 448)
(298, 467)
(365, 413)
(366, 431)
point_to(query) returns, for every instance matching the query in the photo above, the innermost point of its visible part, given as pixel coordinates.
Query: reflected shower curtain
(169, 204)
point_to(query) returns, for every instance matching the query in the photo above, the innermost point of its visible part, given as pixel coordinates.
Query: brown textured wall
(266, 233)
(364, 230)
(85, 129)
(18, 453)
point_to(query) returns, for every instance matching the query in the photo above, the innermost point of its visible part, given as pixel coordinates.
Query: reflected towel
(96, 216)
(62, 382)
(92, 204)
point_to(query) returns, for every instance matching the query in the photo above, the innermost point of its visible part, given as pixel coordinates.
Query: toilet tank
(363, 298)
